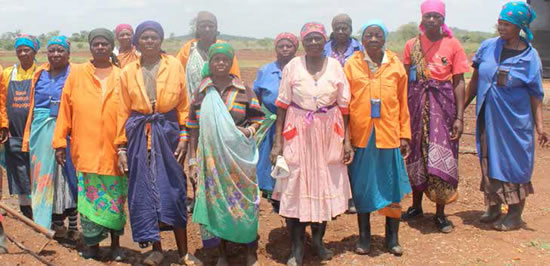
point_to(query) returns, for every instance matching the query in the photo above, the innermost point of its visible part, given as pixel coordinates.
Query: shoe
(443, 224)
(60, 231)
(190, 260)
(117, 255)
(297, 236)
(392, 237)
(317, 234)
(512, 220)
(26, 210)
(491, 215)
(412, 213)
(154, 259)
(351, 208)
(90, 253)
(363, 245)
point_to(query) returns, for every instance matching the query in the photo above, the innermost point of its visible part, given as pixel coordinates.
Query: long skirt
(54, 186)
(227, 202)
(378, 177)
(101, 200)
(496, 191)
(433, 163)
(318, 189)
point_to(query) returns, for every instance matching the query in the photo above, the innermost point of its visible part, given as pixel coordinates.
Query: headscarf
(27, 40)
(122, 27)
(437, 6)
(217, 48)
(375, 22)
(287, 36)
(520, 14)
(61, 41)
(311, 27)
(148, 25)
(102, 32)
(341, 19)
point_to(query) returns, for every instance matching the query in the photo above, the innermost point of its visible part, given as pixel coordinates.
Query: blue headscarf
(147, 25)
(60, 40)
(519, 14)
(27, 40)
(375, 22)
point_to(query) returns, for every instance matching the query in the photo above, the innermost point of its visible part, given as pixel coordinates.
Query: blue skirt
(378, 177)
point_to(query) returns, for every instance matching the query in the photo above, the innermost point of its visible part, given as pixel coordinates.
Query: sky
(251, 18)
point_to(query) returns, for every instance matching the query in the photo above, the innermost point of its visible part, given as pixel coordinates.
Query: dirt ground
(471, 243)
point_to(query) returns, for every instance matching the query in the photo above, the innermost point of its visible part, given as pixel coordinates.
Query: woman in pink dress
(311, 134)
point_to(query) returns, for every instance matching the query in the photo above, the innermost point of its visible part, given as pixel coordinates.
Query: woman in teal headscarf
(507, 82)
(227, 201)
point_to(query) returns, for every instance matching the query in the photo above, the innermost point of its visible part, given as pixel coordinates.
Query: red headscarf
(122, 27)
(287, 36)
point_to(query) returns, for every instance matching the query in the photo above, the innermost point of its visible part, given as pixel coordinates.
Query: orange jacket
(27, 133)
(171, 93)
(90, 119)
(389, 84)
(185, 51)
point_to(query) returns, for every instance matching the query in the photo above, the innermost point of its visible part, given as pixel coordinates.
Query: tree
(406, 31)
(193, 27)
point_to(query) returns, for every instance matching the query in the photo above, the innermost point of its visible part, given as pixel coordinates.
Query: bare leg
(416, 209)
(181, 240)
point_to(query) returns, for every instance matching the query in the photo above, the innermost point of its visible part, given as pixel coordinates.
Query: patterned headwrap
(122, 27)
(438, 6)
(311, 27)
(61, 41)
(105, 33)
(217, 48)
(519, 14)
(27, 40)
(148, 25)
(287, 36)
(375, 22)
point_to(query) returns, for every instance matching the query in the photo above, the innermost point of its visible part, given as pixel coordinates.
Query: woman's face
(101, 49)
(507, 30)
(341, 32)
(58, 56)
(432, 21)
(373, 39)
(285, 50)
(149, 43)
(207, 31)
(25, 54)
(314, 44)
(220, 64)
(124, 38)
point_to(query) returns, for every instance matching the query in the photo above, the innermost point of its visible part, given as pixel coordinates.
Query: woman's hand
(60, 156)
(4, 133)
(245, 131)
(123, 162)
(276, 150)
(543, 138)
(405, 148)
(181, 152)
(458, 128)
(348, 153)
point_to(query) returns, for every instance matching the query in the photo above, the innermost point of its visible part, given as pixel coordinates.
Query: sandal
(412, 213)
(190, 260)
(443, 224)
(117, 255)
(154, 259)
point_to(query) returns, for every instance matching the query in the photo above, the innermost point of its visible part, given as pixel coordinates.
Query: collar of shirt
(372, 65)
(235, 82)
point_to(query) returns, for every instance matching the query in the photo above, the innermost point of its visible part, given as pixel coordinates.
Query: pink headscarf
(287, 36)
(437, 6)
(311, 27)
(122, 27)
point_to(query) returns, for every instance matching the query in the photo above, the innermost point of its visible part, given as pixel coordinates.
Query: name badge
(54, 108)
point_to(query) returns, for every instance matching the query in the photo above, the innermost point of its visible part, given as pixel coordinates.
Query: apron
(17, 162)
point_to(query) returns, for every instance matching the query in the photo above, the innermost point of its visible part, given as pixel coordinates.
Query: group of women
(346, 121)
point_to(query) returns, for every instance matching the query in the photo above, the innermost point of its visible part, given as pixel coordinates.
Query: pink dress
(318, 188)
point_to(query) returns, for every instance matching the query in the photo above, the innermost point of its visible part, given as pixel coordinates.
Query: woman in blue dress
(508, 84)
(266, 87)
